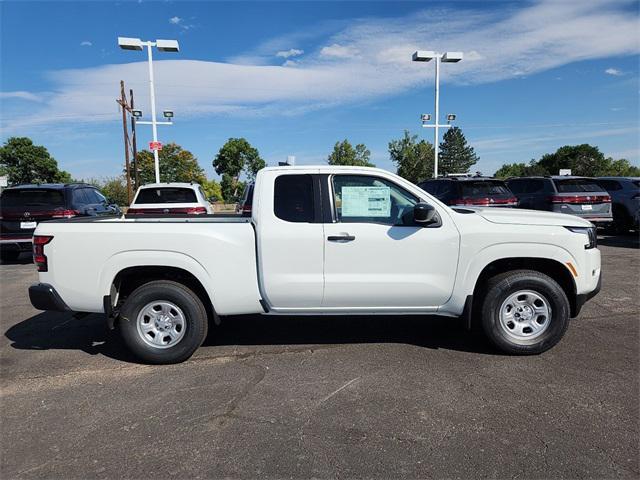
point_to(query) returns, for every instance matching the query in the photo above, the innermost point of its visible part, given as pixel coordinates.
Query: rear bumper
(44, 297)
(20, 243)
(581, 299)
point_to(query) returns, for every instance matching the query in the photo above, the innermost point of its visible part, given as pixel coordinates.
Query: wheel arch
(130, 278)
(553, 268)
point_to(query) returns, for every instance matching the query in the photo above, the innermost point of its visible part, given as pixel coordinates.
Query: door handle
(341, 238)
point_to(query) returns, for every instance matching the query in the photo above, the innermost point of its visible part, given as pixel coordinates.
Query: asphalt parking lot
(379, 397)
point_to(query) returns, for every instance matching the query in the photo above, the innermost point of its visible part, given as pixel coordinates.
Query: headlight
(590, 232)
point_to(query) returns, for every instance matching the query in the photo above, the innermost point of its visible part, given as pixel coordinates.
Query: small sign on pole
(565, 171)
(155, 146)
(4, 180)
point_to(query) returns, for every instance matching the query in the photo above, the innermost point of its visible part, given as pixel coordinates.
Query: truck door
(290, 242)
(376, 257)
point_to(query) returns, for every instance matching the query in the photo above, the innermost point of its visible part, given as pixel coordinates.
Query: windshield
(166, 195)
(39, 197)
(573, 185)
(484, 187)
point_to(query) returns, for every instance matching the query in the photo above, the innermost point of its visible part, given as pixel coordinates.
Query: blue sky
(295, 77)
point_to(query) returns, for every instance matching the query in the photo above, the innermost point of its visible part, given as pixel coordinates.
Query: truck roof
(326, 168)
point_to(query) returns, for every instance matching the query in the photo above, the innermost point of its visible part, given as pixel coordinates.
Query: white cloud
(22, 95)
(175, 20)
(529, 39)
(613, 71)
(181, 23)
(290, 63)
(339, 51)
(86, 43)
(292, 52)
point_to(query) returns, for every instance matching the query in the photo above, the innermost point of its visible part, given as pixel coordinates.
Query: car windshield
(39, 197)
(483, 187)
(166, 195)
(636, 183)
(572, 185)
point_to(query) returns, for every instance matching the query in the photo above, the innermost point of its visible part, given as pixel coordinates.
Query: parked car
(465, 191)
(244, 205)
(170, 198)
(322, 240)
(625, 197)
(580, 196)
(22, 207)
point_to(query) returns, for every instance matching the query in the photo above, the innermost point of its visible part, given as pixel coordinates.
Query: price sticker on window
(366, 202)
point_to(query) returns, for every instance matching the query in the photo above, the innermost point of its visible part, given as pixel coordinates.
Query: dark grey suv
(579, 196)
(24, 206)
(625, 196)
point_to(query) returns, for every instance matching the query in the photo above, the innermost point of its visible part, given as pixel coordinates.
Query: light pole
(447, 57)
(164, 46)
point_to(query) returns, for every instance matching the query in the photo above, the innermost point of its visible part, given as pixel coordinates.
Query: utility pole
(134, 143)
(123, 104)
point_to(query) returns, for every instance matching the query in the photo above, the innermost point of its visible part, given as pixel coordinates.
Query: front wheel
(163, 322)
(524, 312)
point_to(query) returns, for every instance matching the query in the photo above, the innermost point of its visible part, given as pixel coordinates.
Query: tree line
(237, 162)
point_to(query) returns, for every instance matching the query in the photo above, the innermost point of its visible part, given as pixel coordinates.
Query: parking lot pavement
(339, 397)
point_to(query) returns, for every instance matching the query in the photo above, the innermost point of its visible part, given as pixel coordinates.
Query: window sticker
(366, 201)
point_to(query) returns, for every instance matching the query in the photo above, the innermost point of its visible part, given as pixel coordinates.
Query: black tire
(501, 287)
(195, 316)
(9, 255)
(622, 221)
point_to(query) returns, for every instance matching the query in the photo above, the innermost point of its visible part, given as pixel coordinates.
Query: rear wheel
(524, 312)
(163, 322)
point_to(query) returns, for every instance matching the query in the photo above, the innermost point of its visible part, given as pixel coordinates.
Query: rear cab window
(293, 198)
(166, 195)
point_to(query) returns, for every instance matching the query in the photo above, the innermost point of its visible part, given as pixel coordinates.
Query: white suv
(170, 198)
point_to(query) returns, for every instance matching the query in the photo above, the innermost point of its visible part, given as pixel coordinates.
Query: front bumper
(582, 298)
(44, 297)
(19, 243)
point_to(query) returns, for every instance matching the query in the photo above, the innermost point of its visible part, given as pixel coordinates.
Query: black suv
(468, 191)
(23, 206)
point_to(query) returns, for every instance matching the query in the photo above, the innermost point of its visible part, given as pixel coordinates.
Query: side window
(516, 186)
(101, 198)
(293, 198)
(445, 188)
(91, 195)
(79, 197)
(364, 199)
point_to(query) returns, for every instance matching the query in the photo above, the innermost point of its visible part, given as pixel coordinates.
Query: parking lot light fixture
(447, 57)
(127, 43)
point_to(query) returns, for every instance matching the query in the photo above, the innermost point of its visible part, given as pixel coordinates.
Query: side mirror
(423, 213)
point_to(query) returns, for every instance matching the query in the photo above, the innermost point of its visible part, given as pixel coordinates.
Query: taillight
(581, 199)
(485, 201)
(64, 213)
(167, 211)
(196, 210)
(39, 258)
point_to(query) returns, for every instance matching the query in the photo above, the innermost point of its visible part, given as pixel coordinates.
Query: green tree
(456, 156)
(236, 157)
(25, 162)
(413, 159)
(584, 160)
(176, 165)
(344, 154)
(115, 189)
(622, 168)
(520, 170)
(212, 190)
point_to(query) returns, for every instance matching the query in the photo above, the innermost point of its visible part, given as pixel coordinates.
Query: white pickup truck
(322, 241)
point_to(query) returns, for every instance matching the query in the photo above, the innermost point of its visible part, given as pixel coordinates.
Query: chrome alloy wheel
(161, 324)
(525, 315)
